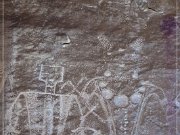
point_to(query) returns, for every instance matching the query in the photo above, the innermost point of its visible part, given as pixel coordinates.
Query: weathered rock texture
(91, 67)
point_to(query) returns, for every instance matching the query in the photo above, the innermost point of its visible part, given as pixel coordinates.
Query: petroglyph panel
(86, 67)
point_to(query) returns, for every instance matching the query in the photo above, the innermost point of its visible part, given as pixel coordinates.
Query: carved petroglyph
(51, 75)
(95, 101)
(136, 98)
(121, 100)
(84, 67)
(42, 108)
(137, 45)
(149, 96)
(47, 112)
(104, 42)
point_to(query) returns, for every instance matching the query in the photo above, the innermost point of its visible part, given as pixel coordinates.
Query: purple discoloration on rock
(171, 110)
(168, 28)
(168, 25)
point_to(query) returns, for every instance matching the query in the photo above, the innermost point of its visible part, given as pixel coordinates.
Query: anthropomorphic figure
(77, 112)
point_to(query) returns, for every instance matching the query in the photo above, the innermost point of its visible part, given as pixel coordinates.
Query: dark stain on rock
(168, 25)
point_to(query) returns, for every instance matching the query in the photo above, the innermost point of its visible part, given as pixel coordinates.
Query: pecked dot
(136, 98)
(107, 94)
(121, 101)
(107, 73)
(102, 84)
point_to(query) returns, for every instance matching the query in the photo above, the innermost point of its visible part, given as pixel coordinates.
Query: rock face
(90, 67)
